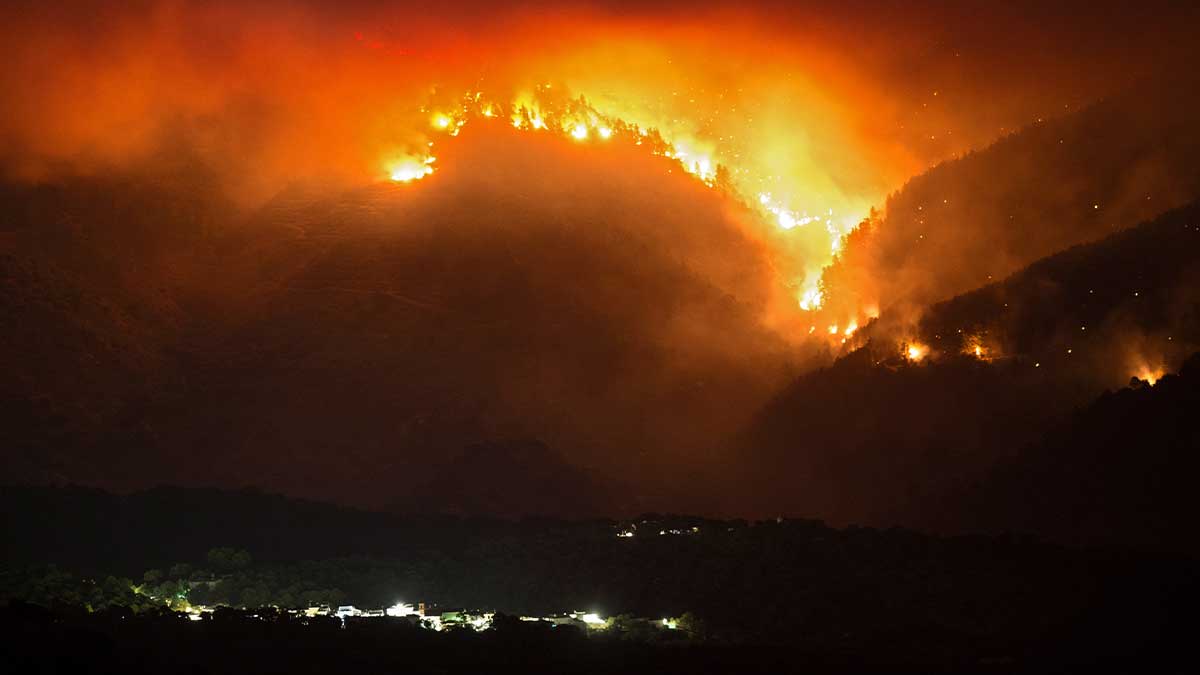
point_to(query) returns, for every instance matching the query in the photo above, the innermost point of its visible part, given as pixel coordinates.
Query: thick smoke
(284, 312)
(841, 102)
(1059, 183)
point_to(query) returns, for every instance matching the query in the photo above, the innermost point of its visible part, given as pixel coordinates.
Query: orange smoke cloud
(809, 111)
(272, 94)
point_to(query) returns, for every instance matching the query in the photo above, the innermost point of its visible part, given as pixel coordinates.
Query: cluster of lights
(477, 621)
(631, 531)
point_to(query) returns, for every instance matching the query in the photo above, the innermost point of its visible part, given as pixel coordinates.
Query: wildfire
(785, 218)
(810, 299)
(915, 352)
(1151, 374)
(549, 109)
(974, 346)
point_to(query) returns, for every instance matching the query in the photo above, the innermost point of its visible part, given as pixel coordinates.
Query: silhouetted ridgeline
(85, 528)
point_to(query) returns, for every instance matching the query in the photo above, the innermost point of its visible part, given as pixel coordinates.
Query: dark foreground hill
(855, 596)
(1120, 470)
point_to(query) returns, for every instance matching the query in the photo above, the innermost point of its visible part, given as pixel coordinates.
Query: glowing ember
(915, 352)
(974, 346)
(810, 299)
(1150, 375)
(408, 170)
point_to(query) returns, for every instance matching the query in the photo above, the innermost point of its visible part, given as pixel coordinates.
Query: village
(426, 617)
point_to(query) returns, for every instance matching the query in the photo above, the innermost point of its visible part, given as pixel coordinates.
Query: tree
(227, 559)
(694, 626)
(255, 596)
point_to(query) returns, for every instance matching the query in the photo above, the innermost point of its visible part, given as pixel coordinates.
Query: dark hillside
(1060, 182)
(1120, 471)
(878, 438)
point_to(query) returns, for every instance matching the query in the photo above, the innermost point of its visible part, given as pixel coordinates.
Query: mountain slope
(347, 344)
(879, 438)
(1060, 182)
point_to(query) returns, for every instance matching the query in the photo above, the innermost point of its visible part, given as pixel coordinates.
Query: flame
(810, 299)
(974, 346)
(548, 109)
(1151, 376)
(796, 121)
(915, 351)
(408, 169)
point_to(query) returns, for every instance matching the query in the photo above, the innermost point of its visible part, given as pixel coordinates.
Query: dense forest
(1072, 177)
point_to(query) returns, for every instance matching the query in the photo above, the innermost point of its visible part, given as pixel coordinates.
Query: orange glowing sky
(812, 95)
(817, 111)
